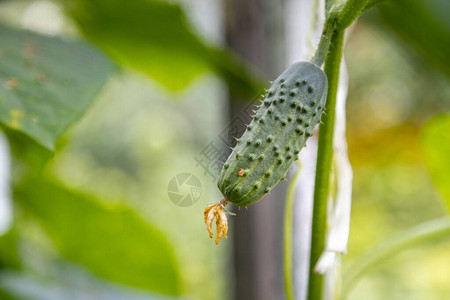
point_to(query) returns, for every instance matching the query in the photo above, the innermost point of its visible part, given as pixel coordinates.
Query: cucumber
(286, 118)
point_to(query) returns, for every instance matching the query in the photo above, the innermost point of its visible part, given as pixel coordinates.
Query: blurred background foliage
(93, 219)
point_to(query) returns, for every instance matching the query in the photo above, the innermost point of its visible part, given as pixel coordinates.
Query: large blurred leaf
(436, 150)
(113, 242)
(28, 157)
(154, 37)
(67, 283)
(422, 24)
(46, 83)
(9, 256)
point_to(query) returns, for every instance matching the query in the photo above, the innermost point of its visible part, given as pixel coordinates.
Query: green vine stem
(417, 235)
(324, 43)
(329, 51)
(372, 3)
(350, 10)
(340, 16)
(288, 211)
(323, 167)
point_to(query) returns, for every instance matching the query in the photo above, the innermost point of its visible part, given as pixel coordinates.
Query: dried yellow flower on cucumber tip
(217, 211)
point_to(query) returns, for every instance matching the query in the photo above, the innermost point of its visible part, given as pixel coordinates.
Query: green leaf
(46, 83)
(154, 37)
(28, 157)
(66, 283)
(9, 255)
(423, 25)
(113, 242)
(436, 152)
(418, 235)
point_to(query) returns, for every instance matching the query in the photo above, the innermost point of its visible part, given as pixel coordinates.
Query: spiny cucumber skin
(286, 118)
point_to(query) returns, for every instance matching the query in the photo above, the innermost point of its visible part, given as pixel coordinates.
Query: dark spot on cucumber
(227, 190)
(299, 130)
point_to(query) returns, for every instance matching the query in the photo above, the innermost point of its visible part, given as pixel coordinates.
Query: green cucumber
(280, 127)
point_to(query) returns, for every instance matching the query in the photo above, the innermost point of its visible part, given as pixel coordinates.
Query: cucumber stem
(323, 167)
(325, 39)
